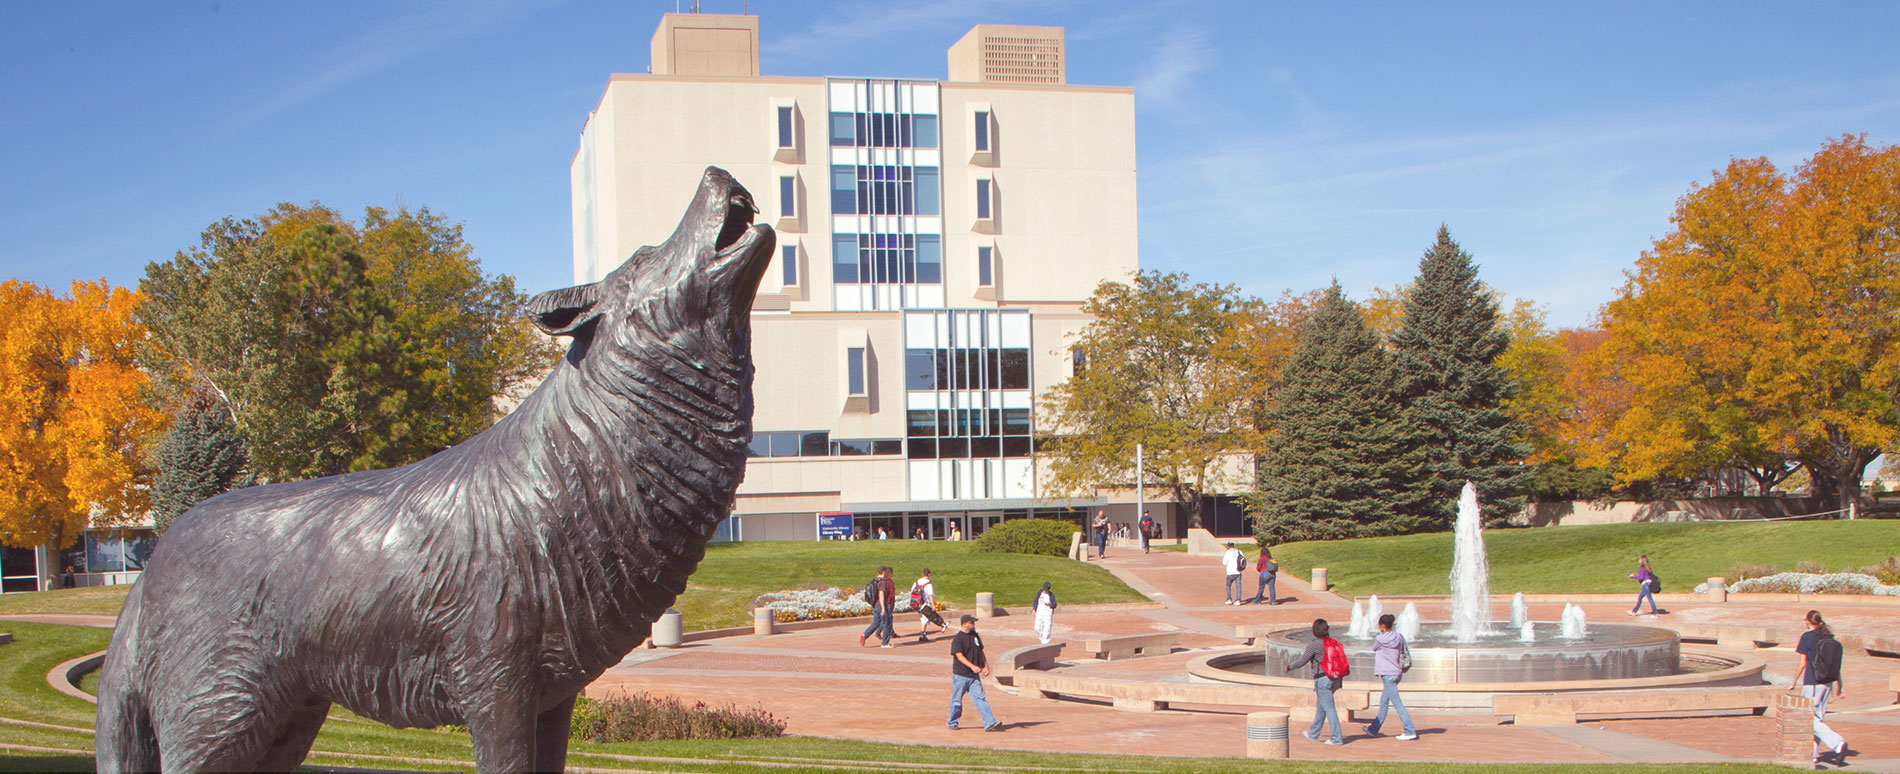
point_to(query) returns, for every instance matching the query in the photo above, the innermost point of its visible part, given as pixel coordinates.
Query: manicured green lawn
(721, 592)
(1593, 559)
(98, 600)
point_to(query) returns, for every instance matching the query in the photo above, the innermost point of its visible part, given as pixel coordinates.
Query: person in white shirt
(1045, 612)
(1235, 563)
(925, 594)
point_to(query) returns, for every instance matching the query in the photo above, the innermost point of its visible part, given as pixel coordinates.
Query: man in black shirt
(968, 667)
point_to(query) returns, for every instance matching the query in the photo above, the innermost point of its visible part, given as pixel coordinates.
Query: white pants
(1045, 622)
(1822, 734)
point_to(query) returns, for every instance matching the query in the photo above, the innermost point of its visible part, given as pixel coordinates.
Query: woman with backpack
(1646, 585)
(1269, 571)
(1328, 660)
(1045, 612)
(1818, 677)
(1390, 658)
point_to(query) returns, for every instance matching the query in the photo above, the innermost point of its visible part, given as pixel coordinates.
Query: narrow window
(843, 130)
(982, 131)
(844, 190)
(929, 258)
(1078, 361)
(928, 197)
(788, 197)
(785, 127)
(854, 370)
(982, 200)
(844, 258)
(926, 132)
(788, 263)
(983, 277)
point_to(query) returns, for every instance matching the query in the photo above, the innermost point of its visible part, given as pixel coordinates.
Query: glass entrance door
(941, 525)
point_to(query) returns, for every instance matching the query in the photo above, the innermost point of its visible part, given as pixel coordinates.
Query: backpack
(917, 597)
(1332, 661)
(1655, 582)
(1827, 661)
(871, 591)
(1240, 563)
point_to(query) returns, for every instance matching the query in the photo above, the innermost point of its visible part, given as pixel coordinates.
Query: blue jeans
(1323, 688)
(1267, 590)
(1643, 593)
(1101, 544)
(1390, 695)
(974, 686)
(880, 626)
(1233, 587)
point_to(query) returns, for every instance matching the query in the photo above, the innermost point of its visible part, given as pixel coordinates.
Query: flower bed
(1811, 583)
(822, 604)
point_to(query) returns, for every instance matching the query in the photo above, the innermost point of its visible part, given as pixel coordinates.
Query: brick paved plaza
(824, 684)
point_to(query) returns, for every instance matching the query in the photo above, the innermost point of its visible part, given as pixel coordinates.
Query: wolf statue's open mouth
(742, 250)
(739, 213)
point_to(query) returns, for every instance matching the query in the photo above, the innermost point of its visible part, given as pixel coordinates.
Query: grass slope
(1592, 559)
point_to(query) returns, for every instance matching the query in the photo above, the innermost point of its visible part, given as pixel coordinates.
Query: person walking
(1269, 572)
(1233, 562)
(1323, 686)
(1390, 658)
(883, 597)
(1045, 612)
(1646, 583)
(923, 599)
(1818, 677)
(1101, 534)
(968, 667)
(1146, 528)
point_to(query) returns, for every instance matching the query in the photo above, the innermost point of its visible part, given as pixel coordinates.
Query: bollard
(761, 621)
(1266, 735)
(1718, 590)
(985, 604)
(1794, 731)
(1319, 579)
(1076, 550)
(666, 631)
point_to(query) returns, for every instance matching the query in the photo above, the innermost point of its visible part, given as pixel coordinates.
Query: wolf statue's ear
(566, 311)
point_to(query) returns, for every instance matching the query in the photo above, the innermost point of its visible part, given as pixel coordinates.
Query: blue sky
(1280, 144)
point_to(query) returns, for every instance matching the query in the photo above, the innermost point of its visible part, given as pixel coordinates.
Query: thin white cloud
(428, 28)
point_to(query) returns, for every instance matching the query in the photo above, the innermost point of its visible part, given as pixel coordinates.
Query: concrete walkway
(823, 684)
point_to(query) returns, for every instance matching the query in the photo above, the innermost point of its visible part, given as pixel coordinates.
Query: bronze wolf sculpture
(485, 585)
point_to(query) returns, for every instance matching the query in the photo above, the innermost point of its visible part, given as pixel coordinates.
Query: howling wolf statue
(484, 586)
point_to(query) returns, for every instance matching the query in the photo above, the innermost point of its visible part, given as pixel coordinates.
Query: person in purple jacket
(1387, 648)
(1645, 586)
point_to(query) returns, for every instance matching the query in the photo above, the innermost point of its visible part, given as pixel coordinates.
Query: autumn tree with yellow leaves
(73, 412)
(1760, 331)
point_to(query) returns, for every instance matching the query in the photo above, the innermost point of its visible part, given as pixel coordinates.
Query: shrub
(1741, 571)
(1808, 583)
(1887, 572)
(814, 604)
(1044, 537)
(643, 717)
(1811, 568)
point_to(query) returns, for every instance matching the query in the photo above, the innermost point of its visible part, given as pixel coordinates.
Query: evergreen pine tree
(201, 456)
(1445, 352)
(1340, 462)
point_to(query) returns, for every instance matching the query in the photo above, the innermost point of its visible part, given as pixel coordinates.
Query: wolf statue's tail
(126, 741)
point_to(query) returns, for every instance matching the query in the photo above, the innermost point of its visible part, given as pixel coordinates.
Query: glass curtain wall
(885, 194)
(969, 410)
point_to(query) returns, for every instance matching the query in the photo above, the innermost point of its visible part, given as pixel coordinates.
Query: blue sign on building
(834, 526)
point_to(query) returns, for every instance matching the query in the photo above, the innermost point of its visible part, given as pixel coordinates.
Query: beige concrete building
(937, 240)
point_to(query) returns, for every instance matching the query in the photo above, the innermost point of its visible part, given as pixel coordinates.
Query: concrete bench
(1558, 709)
(1038, 657)
(1732, 637)
(1132, 645)
(1141, 696)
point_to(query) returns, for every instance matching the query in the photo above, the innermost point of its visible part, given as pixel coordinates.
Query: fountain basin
(1606, 652)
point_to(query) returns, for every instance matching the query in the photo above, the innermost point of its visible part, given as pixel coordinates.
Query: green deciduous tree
(1182, 369)
(1341, 460)
(337, 347)
(1445, 353)
(200, 457)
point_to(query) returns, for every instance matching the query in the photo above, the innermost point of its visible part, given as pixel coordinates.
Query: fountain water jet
(1520, 612)
(1357, 627)
(1407, 624)
(1470, 572)
(1573, 622)
(1527, 632)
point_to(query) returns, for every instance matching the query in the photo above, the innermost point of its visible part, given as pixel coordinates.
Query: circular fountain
(1463, 662)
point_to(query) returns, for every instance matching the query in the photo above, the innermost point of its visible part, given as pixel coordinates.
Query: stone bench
(1557, 709)
(1141, 696)
(1037, 657)
(1132, 645)
(1731, 637)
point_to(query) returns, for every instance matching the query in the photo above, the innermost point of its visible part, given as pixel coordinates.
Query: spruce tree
(201, 456)
(1340, 461)
(1445, 352)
